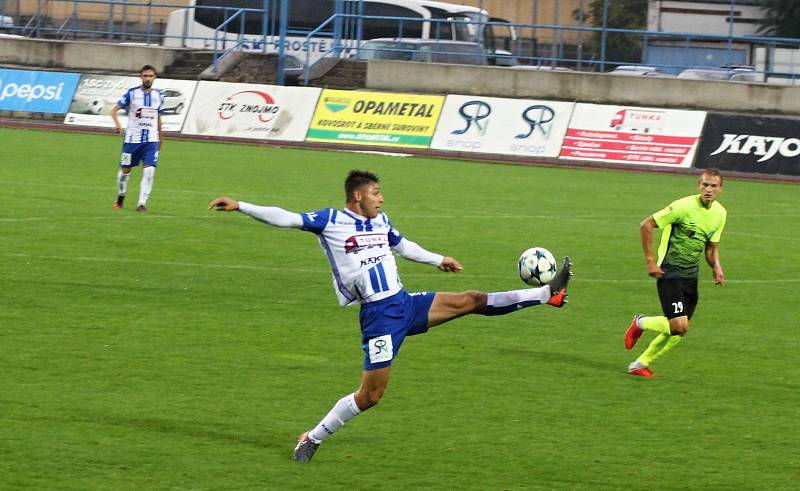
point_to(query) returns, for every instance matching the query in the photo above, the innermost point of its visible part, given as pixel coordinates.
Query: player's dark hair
(712, 172)
(356, 179)
(146, 68)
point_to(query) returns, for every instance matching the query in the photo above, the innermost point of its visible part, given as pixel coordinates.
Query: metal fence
(340, 32)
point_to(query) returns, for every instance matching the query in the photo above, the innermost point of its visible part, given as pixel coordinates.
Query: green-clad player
(691, 227)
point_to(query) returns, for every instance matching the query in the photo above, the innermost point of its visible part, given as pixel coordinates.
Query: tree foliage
(781, 19)
(622, 14)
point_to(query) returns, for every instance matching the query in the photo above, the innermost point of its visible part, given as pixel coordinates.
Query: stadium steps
(189, 64)
(339, 74)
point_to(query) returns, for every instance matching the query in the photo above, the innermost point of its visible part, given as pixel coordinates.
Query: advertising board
(751, 144)
(503, 126)
(35, 91)
(97, 94)
(375, 118)
(633, 135)
(251, 111)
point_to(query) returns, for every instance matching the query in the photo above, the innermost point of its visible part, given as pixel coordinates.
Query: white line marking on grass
(781, 238)
(325, 270)
(149, 216)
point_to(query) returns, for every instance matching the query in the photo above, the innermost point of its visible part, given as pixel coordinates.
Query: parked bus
(257, 30)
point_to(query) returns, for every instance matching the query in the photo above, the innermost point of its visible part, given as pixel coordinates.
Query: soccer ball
(537, 266)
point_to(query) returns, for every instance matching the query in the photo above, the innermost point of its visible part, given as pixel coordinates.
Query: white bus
(195, 26)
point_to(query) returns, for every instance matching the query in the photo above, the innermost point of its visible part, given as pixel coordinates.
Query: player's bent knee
(679, 328)
(473, 300)
(366, 399)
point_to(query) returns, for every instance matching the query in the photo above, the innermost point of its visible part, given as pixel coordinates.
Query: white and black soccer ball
(537, 266)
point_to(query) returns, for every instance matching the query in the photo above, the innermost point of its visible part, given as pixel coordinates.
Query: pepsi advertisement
(35, 91)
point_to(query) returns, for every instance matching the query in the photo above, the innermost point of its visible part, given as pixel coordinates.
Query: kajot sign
(751, 144)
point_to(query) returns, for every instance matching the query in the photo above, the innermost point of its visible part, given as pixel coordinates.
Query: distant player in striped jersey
(692, 230)
(144, 105)
(359, 242)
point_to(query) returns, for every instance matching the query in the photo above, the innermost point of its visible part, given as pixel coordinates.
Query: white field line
(251, 267)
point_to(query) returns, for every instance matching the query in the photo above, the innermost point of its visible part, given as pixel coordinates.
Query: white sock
(636, 364)
(122, 182)
(499, 303)
(147, 184)
(502, 299)
(343, 411)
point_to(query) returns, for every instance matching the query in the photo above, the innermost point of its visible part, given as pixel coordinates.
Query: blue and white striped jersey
(358, 249)
(143, 110)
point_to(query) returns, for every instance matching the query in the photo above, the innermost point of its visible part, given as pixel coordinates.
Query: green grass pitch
(186, 349)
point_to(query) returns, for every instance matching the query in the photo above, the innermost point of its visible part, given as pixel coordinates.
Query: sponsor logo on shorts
(380, 349)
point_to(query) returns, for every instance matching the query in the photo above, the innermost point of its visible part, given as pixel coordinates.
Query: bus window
(390, 28)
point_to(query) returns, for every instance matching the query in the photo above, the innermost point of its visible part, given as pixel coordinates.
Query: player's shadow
(562, 360)
(279, 443)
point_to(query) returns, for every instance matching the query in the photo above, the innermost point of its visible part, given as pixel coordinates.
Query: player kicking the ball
(359, 241)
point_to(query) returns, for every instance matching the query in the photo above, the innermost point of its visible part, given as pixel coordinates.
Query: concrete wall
(583, 87)
(68, 55)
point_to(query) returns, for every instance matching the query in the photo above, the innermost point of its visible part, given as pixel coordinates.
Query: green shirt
(687, 227)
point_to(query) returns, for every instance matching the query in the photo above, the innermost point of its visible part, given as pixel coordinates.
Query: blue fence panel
(672, 58)
(35, 91)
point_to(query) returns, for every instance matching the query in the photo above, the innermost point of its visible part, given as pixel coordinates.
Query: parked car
(548, 68)
(638, 71)
(6, 21)
(292, 70)
(423, 50)
(736, 73)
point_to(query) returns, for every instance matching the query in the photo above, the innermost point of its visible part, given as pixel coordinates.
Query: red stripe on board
(632, 137)
(582, 144)
(622, 156)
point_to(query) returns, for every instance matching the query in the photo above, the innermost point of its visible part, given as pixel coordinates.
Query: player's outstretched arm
(270, 215)
(224, 203)
(450, 265)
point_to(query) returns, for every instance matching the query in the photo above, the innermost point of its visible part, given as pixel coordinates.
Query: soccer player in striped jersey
(359, 242)
(142, 143)
(692, 229)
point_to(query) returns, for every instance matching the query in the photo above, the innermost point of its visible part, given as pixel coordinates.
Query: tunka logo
(537, 116)
(357, 243)
(764, 146)
(638, 120)
(474, 112)
(249, 102)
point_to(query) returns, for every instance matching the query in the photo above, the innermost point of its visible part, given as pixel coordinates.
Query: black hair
(356, 179)
(146, 68)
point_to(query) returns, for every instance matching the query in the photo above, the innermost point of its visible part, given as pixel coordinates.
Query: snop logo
(537, 116)
(249, 102)
(36, 91)
(474, 112)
